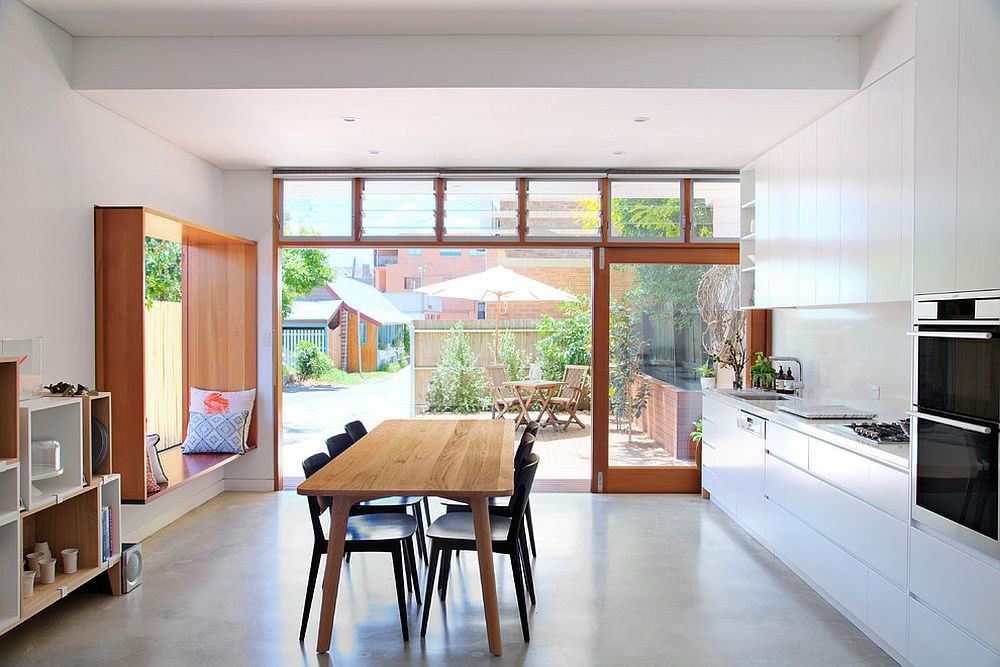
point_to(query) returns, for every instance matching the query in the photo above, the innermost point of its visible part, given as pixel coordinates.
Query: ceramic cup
(43, 547)
(27, 583)
(46, 570)
(32, 559)
(69, 560)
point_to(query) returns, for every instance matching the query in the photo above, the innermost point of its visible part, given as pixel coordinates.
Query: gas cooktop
(880, 431)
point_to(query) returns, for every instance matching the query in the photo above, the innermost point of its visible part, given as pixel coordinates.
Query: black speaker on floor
(131, 566)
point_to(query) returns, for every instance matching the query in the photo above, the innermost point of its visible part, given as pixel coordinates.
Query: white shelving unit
(58, 419)
(748, 237)
(10, 571)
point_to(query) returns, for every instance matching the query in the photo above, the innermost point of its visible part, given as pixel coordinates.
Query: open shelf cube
(9, 390)
(99, 408)
(73, 523)
(110, 533)
(9, 496)
(57, 419)
(10, 573)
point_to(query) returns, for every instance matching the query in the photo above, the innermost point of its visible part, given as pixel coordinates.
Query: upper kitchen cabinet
(835, 226)
(956, 166)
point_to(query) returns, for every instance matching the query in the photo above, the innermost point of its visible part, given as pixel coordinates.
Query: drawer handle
(975, 428)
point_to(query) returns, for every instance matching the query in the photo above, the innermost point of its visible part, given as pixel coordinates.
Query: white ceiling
(343, 17)
(247, 129)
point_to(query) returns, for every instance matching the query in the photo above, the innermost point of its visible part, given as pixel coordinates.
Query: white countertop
(895, 454)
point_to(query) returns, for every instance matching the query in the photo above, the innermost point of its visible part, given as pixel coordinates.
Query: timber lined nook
(219, 331)
(686, 247)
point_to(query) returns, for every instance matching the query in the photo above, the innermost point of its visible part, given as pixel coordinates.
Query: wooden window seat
(182, 469)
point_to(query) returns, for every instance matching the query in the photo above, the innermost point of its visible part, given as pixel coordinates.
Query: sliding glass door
(657, 318)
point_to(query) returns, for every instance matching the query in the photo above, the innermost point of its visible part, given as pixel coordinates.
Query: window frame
(439, 239)
(685, 213)
(713, 239)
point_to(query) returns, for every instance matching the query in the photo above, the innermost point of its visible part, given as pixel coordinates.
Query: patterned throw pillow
(151, 485)
(216, 434)
(224, 402)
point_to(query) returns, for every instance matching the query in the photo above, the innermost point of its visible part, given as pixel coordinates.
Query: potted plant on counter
(762, 372)
(706, 372)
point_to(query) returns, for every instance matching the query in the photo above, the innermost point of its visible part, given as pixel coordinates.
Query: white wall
(845, 350)
(890, 42)
(61, 155)
(248, 197)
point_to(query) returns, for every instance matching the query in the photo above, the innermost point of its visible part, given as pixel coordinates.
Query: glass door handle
(976, 428)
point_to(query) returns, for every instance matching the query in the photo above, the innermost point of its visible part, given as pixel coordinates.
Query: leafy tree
(163, 271)
(458, 384)
(628, 390)
(514, 359)
(668, 291)
(302, 270)
(565, 340)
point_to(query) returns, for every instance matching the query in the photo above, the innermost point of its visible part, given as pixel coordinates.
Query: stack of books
(107, 538)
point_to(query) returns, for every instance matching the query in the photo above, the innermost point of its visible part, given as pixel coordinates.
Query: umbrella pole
(496, 341)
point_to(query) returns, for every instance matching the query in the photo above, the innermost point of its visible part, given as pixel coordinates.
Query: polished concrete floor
(621, 580)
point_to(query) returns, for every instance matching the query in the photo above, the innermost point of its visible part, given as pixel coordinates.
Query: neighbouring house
(351, 322)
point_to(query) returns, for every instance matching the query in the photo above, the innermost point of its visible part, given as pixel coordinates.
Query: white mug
(27, 583)
(69, 557)
(32, 559)
(46, 570)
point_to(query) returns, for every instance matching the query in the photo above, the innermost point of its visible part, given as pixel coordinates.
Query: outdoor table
(537, 390)
(468, 460)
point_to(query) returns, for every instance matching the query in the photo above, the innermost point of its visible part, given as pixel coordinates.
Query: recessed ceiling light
(373, 151)
(349, 119)
(640, 119)
(618, 152)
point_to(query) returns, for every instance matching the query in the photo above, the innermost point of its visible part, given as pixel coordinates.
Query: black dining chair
(499, 506)
(356, 430)
(454, 531)
(382, 533)
(338, 444)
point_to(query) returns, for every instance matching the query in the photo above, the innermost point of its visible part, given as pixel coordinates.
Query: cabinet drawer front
(841, 576)
(864, 531)
(709, 455)
(889, 490)
(845, 469)
(788, 444)
(708, 478)
(713, 410)
(887, 611)
(933, 642)
(962, 588)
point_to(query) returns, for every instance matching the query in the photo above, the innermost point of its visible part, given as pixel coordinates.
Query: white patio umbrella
(498, 284)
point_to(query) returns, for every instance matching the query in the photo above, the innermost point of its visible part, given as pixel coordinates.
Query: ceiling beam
(491, 61)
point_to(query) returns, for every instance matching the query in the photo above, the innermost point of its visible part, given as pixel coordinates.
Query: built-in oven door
(955, 479)
(958, 371)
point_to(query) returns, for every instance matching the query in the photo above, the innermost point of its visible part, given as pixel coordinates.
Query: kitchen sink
(749, 395)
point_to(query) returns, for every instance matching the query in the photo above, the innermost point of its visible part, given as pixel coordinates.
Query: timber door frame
(635, 479)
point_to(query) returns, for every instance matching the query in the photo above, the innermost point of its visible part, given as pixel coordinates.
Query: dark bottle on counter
(779, 380)
(789, 381)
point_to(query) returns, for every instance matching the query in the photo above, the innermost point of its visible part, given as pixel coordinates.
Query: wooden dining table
(469, 460)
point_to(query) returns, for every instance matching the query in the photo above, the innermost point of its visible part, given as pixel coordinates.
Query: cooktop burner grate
(880, 431)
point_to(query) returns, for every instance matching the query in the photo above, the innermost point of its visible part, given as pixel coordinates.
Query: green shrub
(311, 361)
(391, 367)
(565, 340)
(458, 384)
(287, 374)
(514, 359)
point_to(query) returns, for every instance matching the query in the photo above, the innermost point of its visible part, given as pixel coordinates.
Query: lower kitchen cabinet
(934, 641)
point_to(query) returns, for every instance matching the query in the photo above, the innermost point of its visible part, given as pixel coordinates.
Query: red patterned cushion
(151, 485)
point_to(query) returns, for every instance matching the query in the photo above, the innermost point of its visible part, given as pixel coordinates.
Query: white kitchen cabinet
(887, 611)
(840, 575)
(885, 176)
(762, 245)
(807, 217)
(978, 228)
(963, 588)
(854, 199)
(934, 641)
(789, 225)
(828, 139)
(883, 486)
(748, 452)
(719, 432)
(789, 445)
(907, 192)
